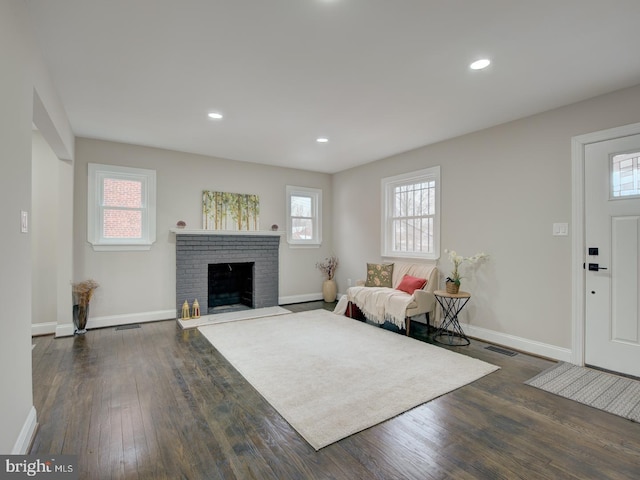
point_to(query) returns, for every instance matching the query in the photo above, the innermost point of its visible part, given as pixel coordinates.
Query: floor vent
(501, 350)
(128, 327)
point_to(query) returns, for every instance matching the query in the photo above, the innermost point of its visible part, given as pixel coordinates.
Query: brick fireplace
(195, 252)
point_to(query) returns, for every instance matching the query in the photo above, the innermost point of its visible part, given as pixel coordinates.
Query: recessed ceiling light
(480, 64)
(322, 140)
(215, 115)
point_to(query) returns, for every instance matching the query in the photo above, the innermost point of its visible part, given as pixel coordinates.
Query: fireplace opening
(230, 287)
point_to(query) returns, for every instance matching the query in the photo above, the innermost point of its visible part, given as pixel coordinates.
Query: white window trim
(388, 184)
(316, 196)
(97, 173)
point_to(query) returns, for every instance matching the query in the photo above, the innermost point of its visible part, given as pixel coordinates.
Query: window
(304, 214)
(121, 208)
(625, 169)
(411, 215)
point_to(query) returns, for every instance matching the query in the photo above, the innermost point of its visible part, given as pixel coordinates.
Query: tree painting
(230, 211)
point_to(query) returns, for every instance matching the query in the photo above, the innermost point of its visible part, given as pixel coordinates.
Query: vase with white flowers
(328, 269)
(453, 280)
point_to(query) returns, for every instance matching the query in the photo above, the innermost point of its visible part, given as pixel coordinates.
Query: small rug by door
(601, 390)
(330, 376)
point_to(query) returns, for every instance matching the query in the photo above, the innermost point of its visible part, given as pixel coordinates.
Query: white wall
(52, 240)
(65, 249)
(23, 74)
(502, 189)
(44, 220)
(132, 283)
(15, 195)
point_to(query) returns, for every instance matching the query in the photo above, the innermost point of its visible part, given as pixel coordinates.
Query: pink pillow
(410, 284)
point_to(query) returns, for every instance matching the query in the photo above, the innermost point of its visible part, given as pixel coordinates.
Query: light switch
(561, 229)
(24, 222)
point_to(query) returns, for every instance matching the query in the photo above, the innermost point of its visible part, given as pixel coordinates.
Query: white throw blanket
(378, 304)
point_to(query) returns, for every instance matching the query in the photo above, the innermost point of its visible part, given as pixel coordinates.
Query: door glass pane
(625, 175)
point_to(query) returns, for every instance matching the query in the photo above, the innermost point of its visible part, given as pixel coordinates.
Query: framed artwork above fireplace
(230, 211)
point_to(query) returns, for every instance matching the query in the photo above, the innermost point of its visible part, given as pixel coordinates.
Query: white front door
(612, 275)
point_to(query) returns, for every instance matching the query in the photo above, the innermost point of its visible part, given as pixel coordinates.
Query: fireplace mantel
(263, 233)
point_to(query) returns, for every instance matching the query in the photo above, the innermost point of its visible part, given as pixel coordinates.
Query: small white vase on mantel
(329, 290)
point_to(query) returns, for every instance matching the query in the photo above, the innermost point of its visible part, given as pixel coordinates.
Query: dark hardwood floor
(158, 402)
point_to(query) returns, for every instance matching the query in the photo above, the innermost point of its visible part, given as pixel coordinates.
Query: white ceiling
(377, 77)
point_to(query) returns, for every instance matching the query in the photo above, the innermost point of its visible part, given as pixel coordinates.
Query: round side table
(450, 332)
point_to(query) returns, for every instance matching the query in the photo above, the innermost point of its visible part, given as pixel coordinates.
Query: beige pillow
(379, 275)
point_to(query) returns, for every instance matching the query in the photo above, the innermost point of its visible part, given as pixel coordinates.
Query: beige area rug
(232, 316)
(330, 376)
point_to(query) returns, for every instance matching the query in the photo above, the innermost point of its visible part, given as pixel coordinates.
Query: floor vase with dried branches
(82, 293)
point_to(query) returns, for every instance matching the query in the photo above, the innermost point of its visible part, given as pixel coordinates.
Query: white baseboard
(64, 330)
(67, 330)
(126, 319)
(518, 343)
(309, 297)
(21, 447)
(46, 328)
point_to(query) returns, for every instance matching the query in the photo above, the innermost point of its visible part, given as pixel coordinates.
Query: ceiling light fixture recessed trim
(215, 115)
(322, 139)
(480, 64)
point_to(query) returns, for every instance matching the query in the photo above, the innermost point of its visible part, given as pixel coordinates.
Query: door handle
(594, 267)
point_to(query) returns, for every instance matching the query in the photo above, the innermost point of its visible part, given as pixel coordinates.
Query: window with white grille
(121, 207)
(625, 175)
(411, 221)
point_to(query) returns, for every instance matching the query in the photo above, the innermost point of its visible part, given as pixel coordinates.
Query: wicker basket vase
(452, 287)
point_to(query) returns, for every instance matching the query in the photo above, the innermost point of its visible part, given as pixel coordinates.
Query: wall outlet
(348, 282)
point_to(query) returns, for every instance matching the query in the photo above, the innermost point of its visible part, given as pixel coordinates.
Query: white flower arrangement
(458, 260)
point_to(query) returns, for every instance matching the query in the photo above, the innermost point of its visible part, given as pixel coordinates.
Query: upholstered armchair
(394, 292)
